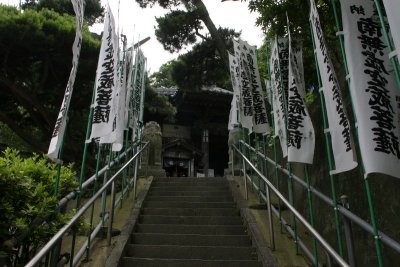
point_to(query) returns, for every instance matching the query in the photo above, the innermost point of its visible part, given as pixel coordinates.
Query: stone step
(189, 179)
(148, 262)
(190, 240)
(156, 188)
(191, 211)
(190, 252)
(186, 184)
(190, 198)
(190, 193)
(192, 220)
(187, 204)
(191, 229)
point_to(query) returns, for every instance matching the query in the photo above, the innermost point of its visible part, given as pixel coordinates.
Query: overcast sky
(136, 22)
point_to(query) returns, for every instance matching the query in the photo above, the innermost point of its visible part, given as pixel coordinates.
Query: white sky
(136, 22)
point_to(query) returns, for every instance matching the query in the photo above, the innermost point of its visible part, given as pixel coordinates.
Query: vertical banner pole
(83, 165)
(277, 178)
(329, 152)
(311, 208)
(92, 208)
(250, 155)
(393, 59)
(257, 146)
(366, 181)
(290, 177)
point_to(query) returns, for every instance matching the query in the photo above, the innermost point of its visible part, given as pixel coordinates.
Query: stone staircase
(189, 222)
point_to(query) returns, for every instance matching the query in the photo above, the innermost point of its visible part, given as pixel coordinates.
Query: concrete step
(192, 220)
(191, 229)
(156, 188)
(185, 184)
(148, 262)
(189, 179)
(190, 198)
(178, 204)
(191, 211)
(190, 240)
(191, 252)
(190, 193)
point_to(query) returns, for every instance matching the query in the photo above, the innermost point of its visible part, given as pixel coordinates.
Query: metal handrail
(390, 242)
(57, 237)
(16, 240)
(313, 231)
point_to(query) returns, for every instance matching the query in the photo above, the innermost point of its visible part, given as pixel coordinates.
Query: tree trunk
(219, 42)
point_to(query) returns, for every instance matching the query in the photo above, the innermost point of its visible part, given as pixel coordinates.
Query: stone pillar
(234, 137)
(205, 150)
(151, 159)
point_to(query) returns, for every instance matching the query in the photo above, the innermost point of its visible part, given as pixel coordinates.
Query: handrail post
(245, 179)
(110, 223)
(348, 233)
(297, 214)
(270, 222)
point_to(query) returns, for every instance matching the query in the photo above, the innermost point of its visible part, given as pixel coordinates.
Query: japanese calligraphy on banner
(375, 98)
(249, 68)
(339, 126)
(128, 84)
(59, 128)
(392, 8)
(246, 99)
(138, 86)
(106, 80)
(300, 131)
(283, 52)
(234, 72)
(278, 97)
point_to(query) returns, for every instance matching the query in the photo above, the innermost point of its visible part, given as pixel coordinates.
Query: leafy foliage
(178, 29)
(163, 78)
(35, 65)
(158, 108)
(93, 9)
(200, 66)
(27, 192)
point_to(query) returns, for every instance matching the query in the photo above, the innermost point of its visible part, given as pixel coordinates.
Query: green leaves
(27, 192)
(177, 29)
(35, 64)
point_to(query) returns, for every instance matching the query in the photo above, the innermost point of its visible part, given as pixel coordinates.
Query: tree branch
(219, 42)
(200, 35)
(30, 101)
(18, 130)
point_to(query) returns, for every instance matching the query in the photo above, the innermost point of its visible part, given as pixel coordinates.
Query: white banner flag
(249, 57)
(138, 86)
(392, 8)
(59, 128)
(233, 121)
(376, 100)
(246, 99)
(278, 97)
(234, 72)
(300, 134)
(106, 80)
(339, 126)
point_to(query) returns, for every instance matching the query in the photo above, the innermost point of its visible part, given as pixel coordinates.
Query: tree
(163, 77)
(181, 27)
(272, 18)
(35, 65)
(93, 9)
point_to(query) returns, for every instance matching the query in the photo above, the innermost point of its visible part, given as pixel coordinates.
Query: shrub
(27, 192)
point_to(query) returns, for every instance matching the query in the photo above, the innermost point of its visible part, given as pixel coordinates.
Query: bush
(27, 192)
